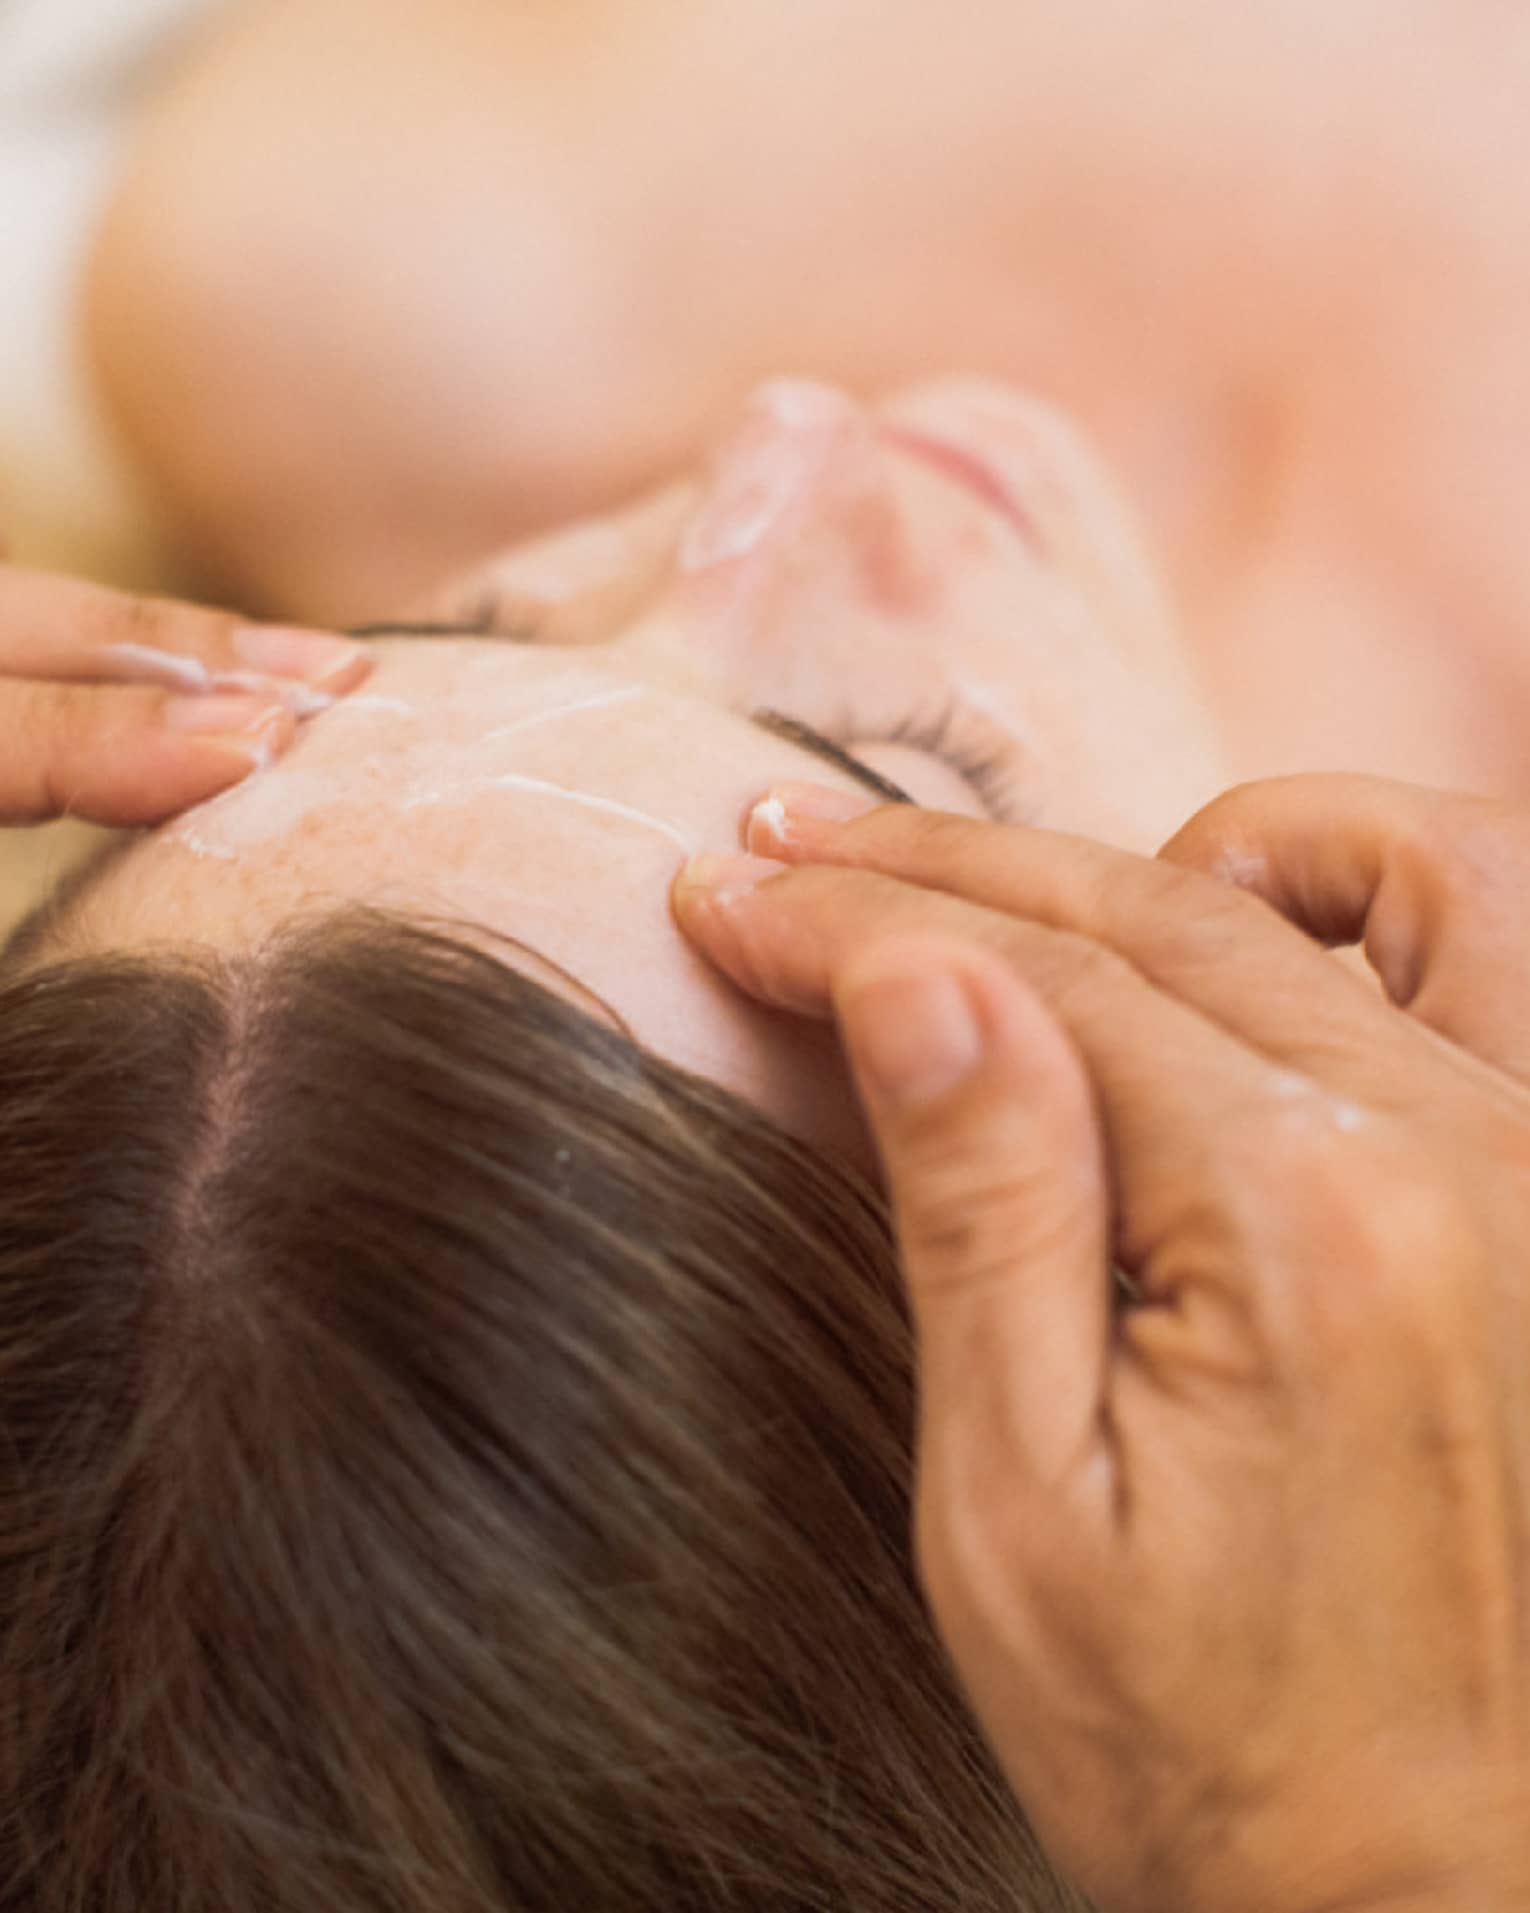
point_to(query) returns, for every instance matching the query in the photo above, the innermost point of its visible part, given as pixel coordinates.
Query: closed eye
(807, 739)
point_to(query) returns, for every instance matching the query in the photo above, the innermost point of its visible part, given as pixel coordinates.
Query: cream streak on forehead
(394, 753)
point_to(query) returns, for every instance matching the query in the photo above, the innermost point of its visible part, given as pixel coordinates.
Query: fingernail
(327, 663)
(301, 699)
(912, 1034)
(258, 727)
(725, 877)
(772, 822)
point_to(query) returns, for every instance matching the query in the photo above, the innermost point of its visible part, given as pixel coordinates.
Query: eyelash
(949, 734)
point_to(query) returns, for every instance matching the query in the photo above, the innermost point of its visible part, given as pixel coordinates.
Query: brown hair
(450, 1461)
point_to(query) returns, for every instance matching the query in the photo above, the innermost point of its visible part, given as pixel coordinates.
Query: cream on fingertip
(258, 728)
(299, 698)
(775, 821)
(145, 664)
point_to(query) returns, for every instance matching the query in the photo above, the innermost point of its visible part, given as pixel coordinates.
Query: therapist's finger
(985, 1123)
(125, 756)
(1203, 943)
(1436, 886)
(789, 936)
(60, 628)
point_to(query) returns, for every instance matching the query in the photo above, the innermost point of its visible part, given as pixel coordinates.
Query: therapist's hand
(1237, 1575)
(1434, 886)
(125, 710)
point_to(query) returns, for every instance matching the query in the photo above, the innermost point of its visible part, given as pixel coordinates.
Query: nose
(797, 447)
(804, 519)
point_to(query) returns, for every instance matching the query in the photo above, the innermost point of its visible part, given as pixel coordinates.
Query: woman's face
(942, 585)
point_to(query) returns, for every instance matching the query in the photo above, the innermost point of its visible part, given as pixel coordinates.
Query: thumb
(985, 1123)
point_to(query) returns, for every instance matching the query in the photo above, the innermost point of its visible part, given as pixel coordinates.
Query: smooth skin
(1237, 1572)
(124, 710)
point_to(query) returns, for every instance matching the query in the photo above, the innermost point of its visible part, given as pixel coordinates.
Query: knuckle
(39, 733)
(122, 617)
(1192, 906)
(917, 826)
(936, 847)
(965, 1217)
(1380, 1229)
(1221, 821)
(1071, 970)
(157, 624)
(1219, 829)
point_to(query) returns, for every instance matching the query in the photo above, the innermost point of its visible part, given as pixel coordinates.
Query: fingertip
(229, 758)
(911, 1025)
(1205, 836)
(158, 771)
(794, 816)
(322, 660)
(718, 879)
(924, 1014)
(229, 737)
(705, 891)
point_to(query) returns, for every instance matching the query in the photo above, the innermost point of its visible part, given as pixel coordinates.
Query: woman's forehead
(488, 782)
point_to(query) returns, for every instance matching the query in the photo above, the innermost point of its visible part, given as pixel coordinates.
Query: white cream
(403, 772)
(608, 805)
(142, 664)
(602, 702)
(771, 812)
(301, 699)
(367, 704)
(254, 813)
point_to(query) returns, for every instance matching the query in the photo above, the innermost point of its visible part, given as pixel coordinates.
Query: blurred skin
(389, 282)
(955, 553)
